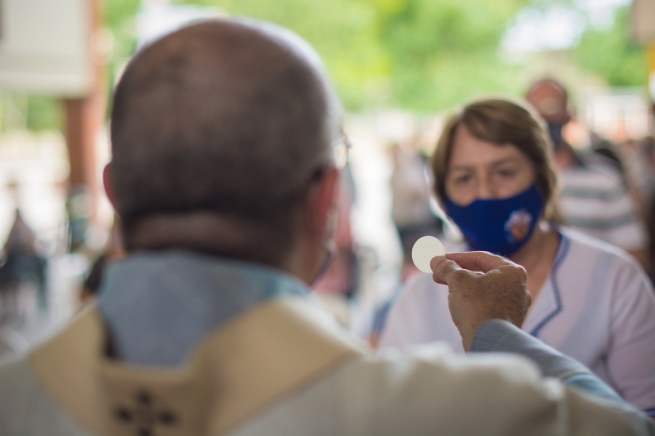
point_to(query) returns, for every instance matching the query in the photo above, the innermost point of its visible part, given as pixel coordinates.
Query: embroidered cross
(145, 415)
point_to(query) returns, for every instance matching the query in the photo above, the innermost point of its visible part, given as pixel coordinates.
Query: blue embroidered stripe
(559, 258)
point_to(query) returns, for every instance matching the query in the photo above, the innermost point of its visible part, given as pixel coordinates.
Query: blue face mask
(555, 133)
(499, 226)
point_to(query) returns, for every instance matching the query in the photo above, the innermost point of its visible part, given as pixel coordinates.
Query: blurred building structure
(54, 48)
(618, 114)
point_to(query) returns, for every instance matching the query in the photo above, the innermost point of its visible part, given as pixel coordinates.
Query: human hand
(482, 286)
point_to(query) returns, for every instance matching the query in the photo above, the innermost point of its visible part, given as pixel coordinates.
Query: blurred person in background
(495, 180)
(412, 215)
(224, 176)
(410, 200)
(610, 156)
(20, 263)
(647, 151)
(113, 251)
(79, 209)
(635, 169)
(594, 198)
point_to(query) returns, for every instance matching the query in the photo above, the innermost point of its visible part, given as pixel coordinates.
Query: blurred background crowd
(400, 66)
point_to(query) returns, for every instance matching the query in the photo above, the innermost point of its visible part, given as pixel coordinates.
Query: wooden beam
(85, 115)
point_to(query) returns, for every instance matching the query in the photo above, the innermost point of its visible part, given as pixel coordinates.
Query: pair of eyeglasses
(340, 150)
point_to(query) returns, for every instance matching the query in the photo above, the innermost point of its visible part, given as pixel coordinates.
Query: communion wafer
(424, 250)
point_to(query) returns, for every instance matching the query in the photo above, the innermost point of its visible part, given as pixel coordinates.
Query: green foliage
(119, 17)
(44, 113)
(417, 54)
(34, 113)
(422, 55)
(612, 55)
(342, 31)
(445, 52)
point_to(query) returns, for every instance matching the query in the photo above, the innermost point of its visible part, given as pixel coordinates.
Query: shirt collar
(158, 305)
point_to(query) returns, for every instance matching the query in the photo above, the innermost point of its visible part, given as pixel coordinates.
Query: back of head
(500, 122)
(222, 117)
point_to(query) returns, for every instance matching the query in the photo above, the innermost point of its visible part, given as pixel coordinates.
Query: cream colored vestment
(284, 367)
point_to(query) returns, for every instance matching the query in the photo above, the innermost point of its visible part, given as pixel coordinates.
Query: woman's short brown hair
(501, 122)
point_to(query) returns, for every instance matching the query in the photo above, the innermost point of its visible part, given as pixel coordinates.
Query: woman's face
(481, 169)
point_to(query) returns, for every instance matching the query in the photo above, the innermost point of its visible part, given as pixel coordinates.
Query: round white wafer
(424, 250)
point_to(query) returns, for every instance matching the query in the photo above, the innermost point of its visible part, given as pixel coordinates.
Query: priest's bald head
(221, 139)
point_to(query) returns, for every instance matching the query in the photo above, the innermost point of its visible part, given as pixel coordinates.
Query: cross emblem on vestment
(145, 415)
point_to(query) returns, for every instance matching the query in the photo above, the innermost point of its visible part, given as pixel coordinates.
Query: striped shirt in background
(595, 200)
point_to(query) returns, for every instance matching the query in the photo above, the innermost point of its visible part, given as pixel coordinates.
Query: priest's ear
(322, 201)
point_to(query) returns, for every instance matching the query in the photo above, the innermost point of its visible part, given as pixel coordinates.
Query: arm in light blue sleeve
(501, 336)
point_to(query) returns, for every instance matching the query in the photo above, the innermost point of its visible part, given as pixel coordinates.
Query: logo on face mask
(518, 225)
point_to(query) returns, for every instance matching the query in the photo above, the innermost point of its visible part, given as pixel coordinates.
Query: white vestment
(283, 367)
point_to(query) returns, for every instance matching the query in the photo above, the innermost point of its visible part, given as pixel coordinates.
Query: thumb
(442, 269)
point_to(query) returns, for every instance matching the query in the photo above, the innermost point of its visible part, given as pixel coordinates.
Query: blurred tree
(447, 51)
(119, 17)
(611, 53)
(44, 113)
(35, 113)
(422, 55)
(417, 54)
(343, 32)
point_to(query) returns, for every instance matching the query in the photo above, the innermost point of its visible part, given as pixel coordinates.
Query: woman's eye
(507, 173)
(460, 180)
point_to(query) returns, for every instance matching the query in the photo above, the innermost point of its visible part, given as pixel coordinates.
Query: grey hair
(227, 117)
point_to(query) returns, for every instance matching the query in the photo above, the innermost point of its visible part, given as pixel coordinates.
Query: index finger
(479, 260)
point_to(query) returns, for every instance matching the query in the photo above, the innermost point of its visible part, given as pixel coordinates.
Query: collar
(158, 305)
(249, 363)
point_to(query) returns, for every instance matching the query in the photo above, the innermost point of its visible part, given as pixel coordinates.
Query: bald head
(550, 99)
(222, 117)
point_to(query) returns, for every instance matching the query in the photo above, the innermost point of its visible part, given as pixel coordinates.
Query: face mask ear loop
(327, 260)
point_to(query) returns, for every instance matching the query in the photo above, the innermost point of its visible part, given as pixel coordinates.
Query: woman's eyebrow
(502, 161)
(462, 168)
